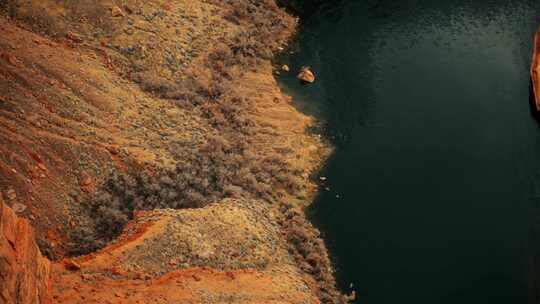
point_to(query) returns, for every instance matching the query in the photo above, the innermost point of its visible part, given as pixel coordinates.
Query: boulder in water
(306, 75)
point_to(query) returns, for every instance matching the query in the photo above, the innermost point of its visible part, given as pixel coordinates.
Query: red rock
(25, 273)
(535, 70)
(18, 208)
(74, 37)
(230, 275)
(8, 58)
(71, 265)
(117, 12)
(11, 194)
(86, 181)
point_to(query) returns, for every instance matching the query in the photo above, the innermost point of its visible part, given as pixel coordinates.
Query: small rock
(306, 75)
(19, 208)
(117, 12)
(71, 265)
(11, 194)
(196, 277)
(323, 178)
(116, 271)
(42, 167)
(285, 68)
(74, 37)
(86, 181)
(9, 58)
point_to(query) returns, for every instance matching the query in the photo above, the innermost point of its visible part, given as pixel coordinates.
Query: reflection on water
(434, 184)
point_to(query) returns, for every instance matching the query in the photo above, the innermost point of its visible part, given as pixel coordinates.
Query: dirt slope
(166, 256)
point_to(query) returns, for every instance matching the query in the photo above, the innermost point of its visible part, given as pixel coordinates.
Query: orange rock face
(535, 68)
(24, 272)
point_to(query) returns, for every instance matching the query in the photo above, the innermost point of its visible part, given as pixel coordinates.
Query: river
(433, 192)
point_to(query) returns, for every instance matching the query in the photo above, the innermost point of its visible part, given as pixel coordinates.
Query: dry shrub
(239, 11)
(219, 170)
(152, 83)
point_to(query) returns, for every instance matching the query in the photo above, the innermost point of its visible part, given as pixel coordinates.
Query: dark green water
(435, 182)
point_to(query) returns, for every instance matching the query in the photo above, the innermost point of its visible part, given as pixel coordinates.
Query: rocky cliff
(535, 69)
(24, 272)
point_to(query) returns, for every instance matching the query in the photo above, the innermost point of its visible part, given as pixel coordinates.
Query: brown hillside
(109, 107)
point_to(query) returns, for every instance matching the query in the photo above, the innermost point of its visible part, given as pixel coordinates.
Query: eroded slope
(167, 256)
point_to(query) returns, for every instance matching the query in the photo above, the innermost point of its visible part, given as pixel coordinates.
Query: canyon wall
(24, 272)
(535, 68)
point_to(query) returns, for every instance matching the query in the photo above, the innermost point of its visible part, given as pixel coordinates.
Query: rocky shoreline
(164, 117)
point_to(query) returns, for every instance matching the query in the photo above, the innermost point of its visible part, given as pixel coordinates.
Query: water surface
(434, 185)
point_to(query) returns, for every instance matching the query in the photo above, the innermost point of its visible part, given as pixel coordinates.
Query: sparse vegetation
(227, 165)
(309, 251)
(219, 170)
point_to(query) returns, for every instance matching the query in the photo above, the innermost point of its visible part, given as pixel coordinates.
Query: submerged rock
(306, 75)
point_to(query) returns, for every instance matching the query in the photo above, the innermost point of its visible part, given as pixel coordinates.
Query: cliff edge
(24, 272)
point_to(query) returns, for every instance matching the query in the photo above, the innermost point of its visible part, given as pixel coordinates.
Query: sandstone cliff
(24, 272)
(535, 69)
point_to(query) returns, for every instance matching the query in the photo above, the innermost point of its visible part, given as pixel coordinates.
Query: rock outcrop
(24, 272)
(535, 68)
